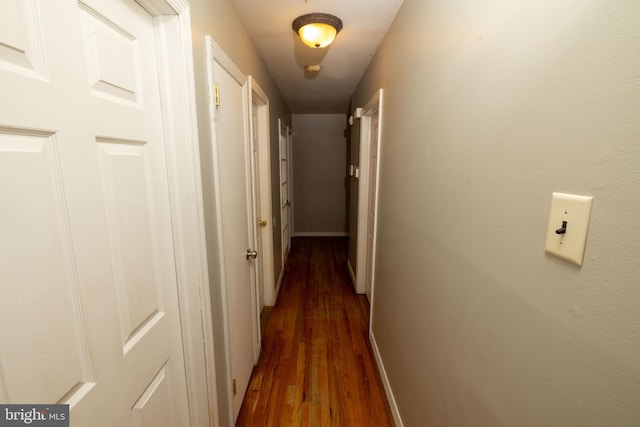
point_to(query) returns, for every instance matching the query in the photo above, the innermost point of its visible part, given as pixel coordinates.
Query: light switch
(568, 225)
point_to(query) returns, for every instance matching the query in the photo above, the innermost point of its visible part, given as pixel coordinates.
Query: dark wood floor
(316, 367)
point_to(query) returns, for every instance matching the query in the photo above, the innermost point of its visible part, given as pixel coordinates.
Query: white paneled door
(89, 310)
(232, 170)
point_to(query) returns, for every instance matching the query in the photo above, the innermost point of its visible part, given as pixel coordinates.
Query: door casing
(177, 89)
(215, 55)
(260, 104)
(365, 194)
(284, 144)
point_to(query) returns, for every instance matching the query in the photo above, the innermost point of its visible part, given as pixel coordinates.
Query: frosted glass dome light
(317, 30)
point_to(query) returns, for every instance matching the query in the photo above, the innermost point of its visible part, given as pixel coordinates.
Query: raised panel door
(89, 288)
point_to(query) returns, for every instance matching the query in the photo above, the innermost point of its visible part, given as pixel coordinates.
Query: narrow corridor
(316, 367)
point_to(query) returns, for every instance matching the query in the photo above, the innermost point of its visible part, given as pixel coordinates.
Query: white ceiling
(365, 23)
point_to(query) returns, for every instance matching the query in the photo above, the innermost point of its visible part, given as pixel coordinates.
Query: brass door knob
(263, 223)
(251, 254)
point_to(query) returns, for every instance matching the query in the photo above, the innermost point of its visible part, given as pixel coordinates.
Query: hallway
(316, 366)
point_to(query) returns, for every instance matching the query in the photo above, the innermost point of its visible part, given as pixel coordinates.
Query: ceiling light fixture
(317, 30)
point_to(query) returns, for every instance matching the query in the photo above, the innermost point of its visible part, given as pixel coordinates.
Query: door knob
(263, 223)
(252, 254)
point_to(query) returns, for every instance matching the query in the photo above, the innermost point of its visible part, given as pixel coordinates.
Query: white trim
(353, 275)
(373, 106)
(278, 285)
(248, 172)
(393, 406)
(175, 66)
(255, 95)
(285, 238)
(291, 184)
(257, 90)
(379, 109)
(215, 54)
(164, 7)
(266, 258)
(178, 6)
(363, 188)
(321, 234)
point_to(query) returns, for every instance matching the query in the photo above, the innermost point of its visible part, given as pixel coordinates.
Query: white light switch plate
(576, 211)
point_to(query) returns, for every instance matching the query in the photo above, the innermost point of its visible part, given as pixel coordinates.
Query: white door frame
(374, 106)
(215, 53)
(283, 132)
(290, 178)
(260, 99)
(177, 88)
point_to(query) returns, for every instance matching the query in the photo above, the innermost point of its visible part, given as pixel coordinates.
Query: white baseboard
(353, 275)
(275, 294)
(385, 381)
(320, 234)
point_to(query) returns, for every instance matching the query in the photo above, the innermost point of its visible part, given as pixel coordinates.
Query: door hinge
(235, 388)
(216, 89)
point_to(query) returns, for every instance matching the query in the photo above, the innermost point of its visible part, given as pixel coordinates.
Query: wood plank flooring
(316, 367)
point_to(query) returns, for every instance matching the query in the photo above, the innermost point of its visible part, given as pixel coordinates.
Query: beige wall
(489, 108)
(218, 19)
(319, 173)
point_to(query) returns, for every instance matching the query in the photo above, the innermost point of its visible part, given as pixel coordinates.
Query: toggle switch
(563, 229)
(568, 225)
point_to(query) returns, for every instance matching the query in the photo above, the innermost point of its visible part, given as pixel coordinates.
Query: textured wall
(489, 108)
(319, 173)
